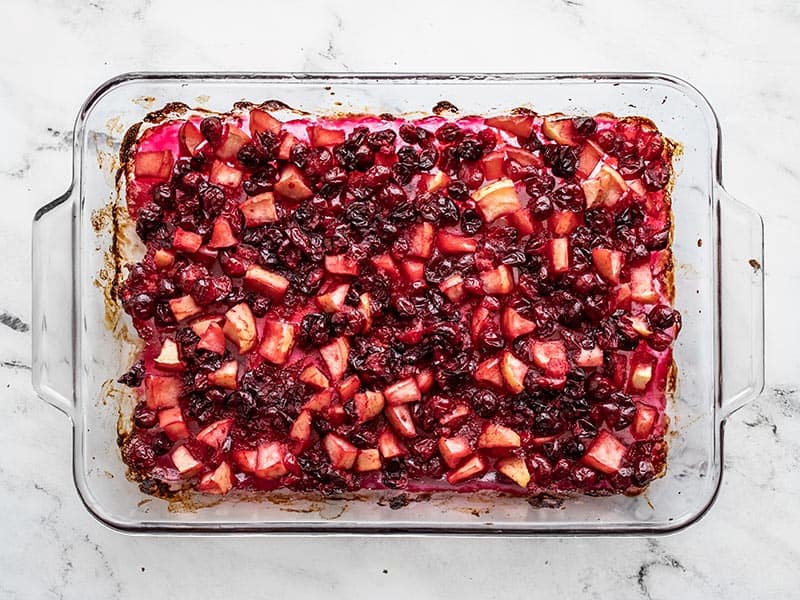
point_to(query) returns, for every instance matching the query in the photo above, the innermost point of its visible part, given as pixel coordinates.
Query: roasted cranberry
(134, 376)
(657, 241)
(448, 133)
(583, 476)
(427, 159)
(315, 329)
(332, 182)
(584, 126)
(163, 315)
(471, 222)
(457, 190)
(659, 340)
(661, 316)
(541, 208)
(211, 128)
(166, 288)
(141, 306)
(137, 451)
(643, 472)
(598, 387)
(540, 468)
(394, 474)
(469, 148)
(212, 197)
(631, 166)
(485, 403)
(565, 163)
(363, 158)
(607, 140)
(144, 417)
(656, 176)
(409, 133)
(164, 195)
(249, 156)
(539, 184)
(149, 218)
(437, 209)
(488, 139)
(491, 340)
(650, 147)
(161, 444)
(381, 139)
(212, 289)
(568, 197)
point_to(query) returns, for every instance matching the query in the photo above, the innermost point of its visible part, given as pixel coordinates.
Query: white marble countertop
(745, 57)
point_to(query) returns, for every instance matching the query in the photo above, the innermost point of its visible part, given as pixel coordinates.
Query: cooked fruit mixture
(334, 304)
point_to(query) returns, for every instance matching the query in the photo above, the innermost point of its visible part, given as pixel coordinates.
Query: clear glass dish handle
(741, 302)
(53, 302)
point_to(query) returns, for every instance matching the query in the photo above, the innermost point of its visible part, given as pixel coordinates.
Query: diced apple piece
(218, 481)
(455, 416)
(480, 317)
(186, 241)
(162, 391)
(333, 301)
(368, 405)
(341, 453)
(453, 287)
(515, 469)
(564, 222)
(522, 221)
(200, 325)
(365, 307)
(169, 358)
(642, 289)
(450, 243)
(164, 259)
(605, 453)
(335, 355)
(286, 145)
(261, 120)
(489, 372)
(590, 358)
(404, 391)
(212, 339)
(347, 388)
(222, 235)
(222, 174)
(611, 187)
(644, 421)
(498, 436)
(558, 251)
(277, 341)
(259, 210)
(518, 125)
(474, 466)
(184, 307)
(187, 465)
(399, 417)
(591, 191)
(270, 461)
(385, 263)
(622, 296)
(300, 431)
(589, 157)
(523, 157)
(437, 181)
(496, 199)
(641, 373)
(514, 324)
(421, 240)
(640, 325)
(608, 263)
(230, 145)
(215, 434)
(320, 401)
(240, 327)
(425, 380)
(157, 165)
(225, 376)
(498, 281)
(389, 446)
(190, 137)
(172, 422)
(514, 371)
(245, 460)
(265, 282)
(367, 460)
(560, 130)
(551, 357)
(314, 377)
(341, 264)
(413, 270)
(323, 136)
(492, 165)
(292, 185)
(454, 450)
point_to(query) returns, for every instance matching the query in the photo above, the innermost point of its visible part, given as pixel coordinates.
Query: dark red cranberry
(569, 197)
(472, 175)
(658, 240)
(133, 378)
(491, 339)
(409, 133)
(565, 163)
(607, 140)
(630, 167)
(471, 221)
(212, 198)
(213, 289)
(211, 128)
(659, 340)
(541, 207)
(144, 417)
(149, 219)
(656, 176)
(161, 444)
(583, 476)
(378, 140)
(299, 155)
(488, 139)
(661, 316)
(164, 195)
(650, 147)
(540, 468)
(363, 158)
(469, 148)
(377, 176)
(166, 288)
(427, 159)
(485, 403)
(584, 126)
(163, 315)
(141, 306)
(643, 472)
(457, 190)
(598, 387)
(625, 148)
(449, 133)
(138, 452)
(394, 474)
(315, 329)
(249, 156)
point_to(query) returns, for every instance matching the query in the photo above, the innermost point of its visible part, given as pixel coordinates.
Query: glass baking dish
(718, 248)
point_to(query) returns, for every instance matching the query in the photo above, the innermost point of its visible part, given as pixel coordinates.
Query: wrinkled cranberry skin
(211, 128)
(144, 417)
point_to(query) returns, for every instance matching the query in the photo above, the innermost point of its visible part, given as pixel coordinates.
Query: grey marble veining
(744, 56)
